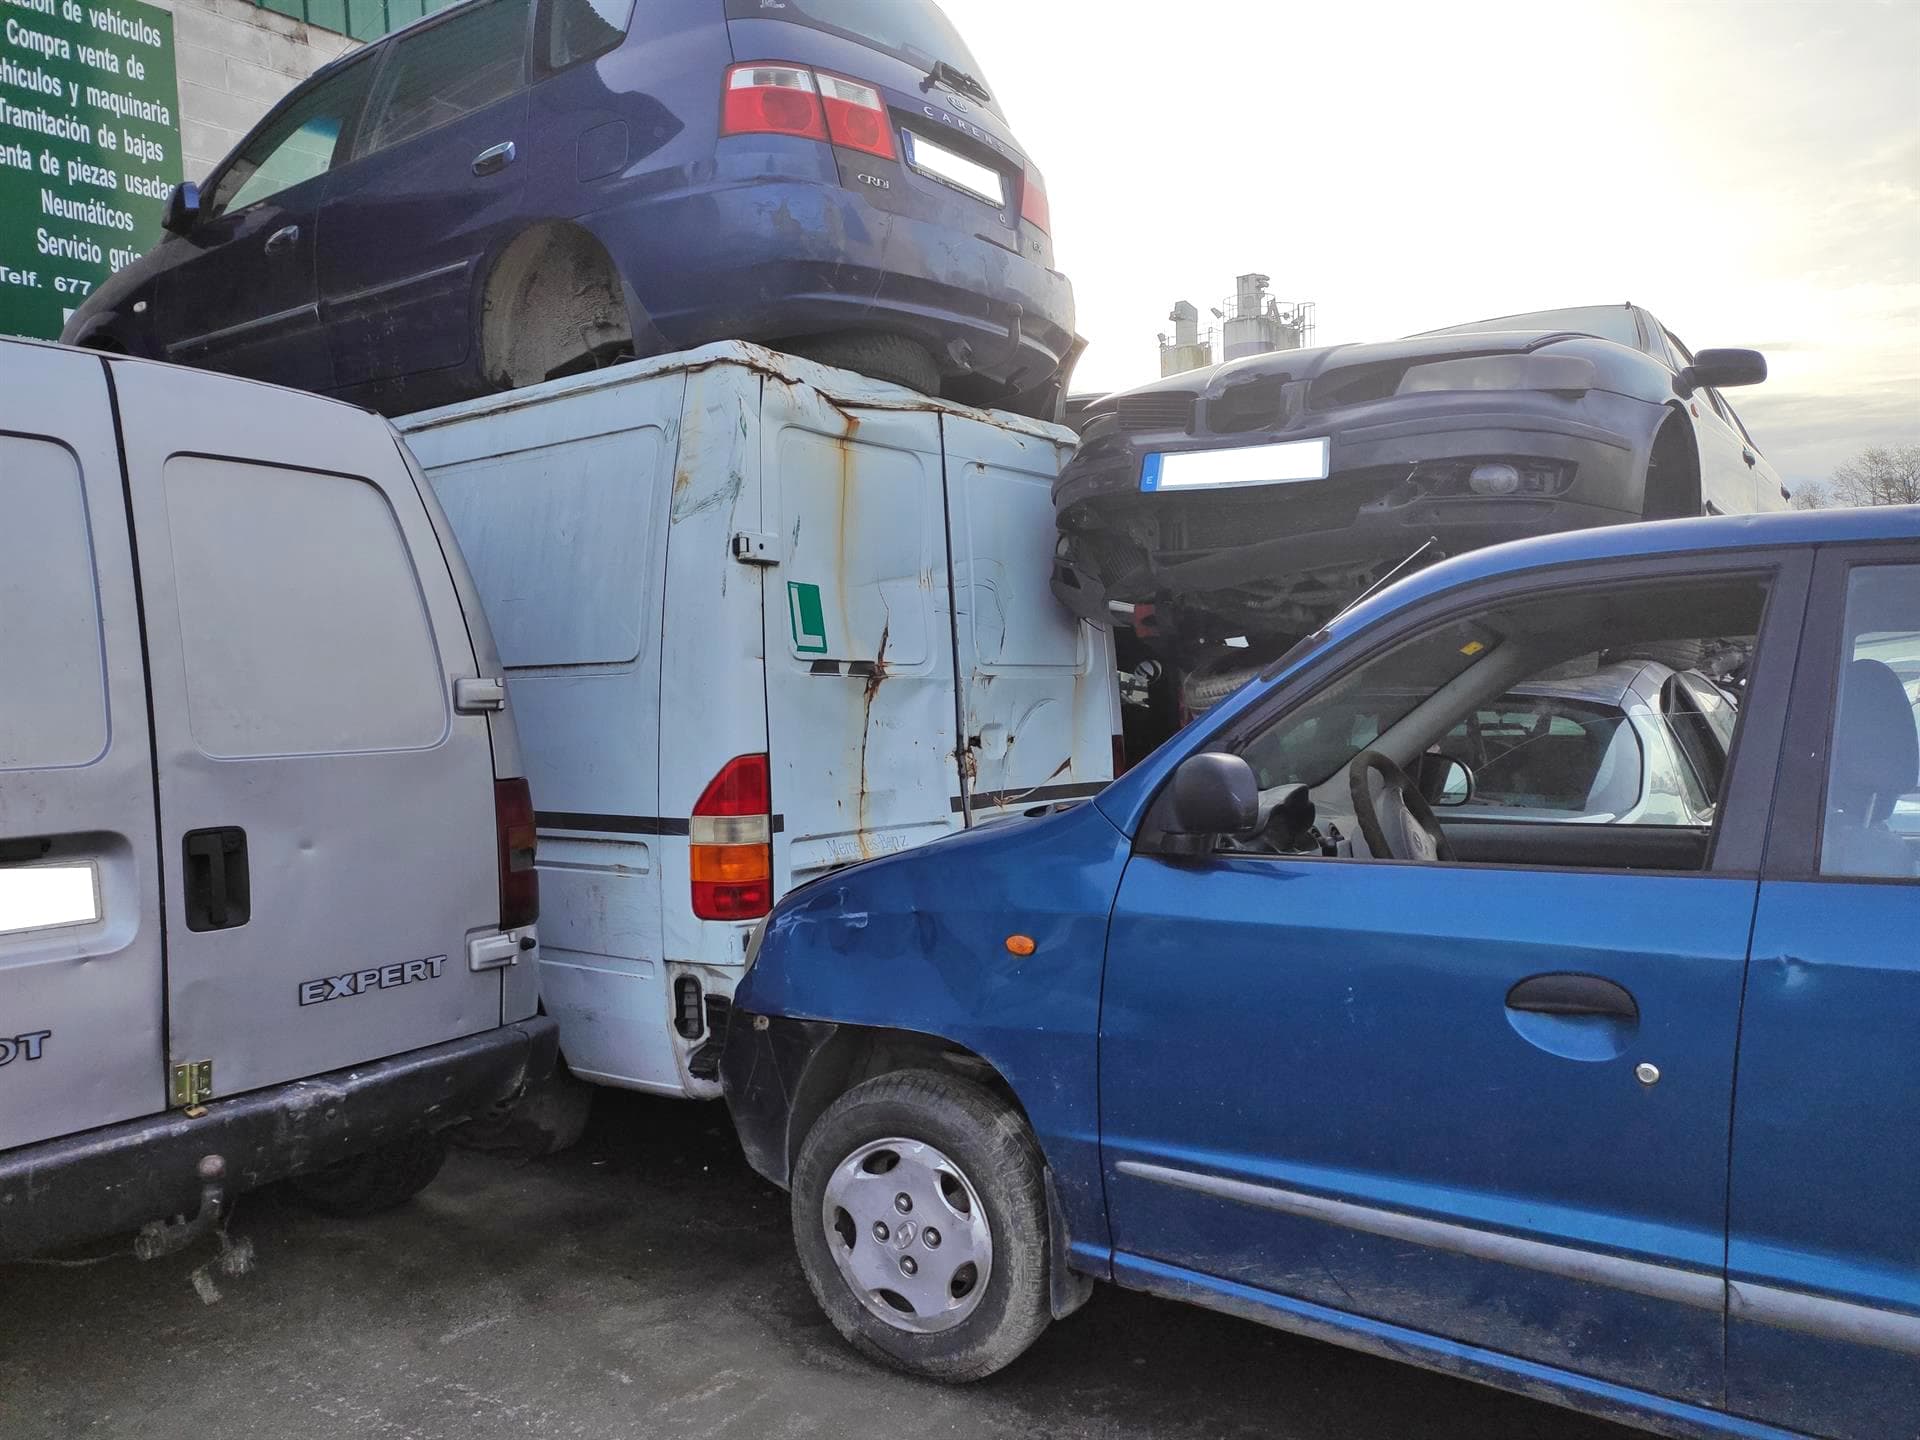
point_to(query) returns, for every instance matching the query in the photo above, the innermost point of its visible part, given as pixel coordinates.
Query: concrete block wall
(235, 60)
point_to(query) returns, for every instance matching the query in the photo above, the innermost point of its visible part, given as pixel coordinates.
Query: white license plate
(1284, 463)
(957, 170)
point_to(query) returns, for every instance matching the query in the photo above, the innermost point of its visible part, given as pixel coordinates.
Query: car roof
(1705, 535)
(1610, 685)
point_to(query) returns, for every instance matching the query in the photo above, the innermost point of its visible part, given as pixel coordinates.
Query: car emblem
(955, 101)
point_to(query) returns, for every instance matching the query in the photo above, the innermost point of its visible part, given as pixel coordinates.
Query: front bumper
(782, 259)
(761, 1073)
(111, 1180)
(1125, 546)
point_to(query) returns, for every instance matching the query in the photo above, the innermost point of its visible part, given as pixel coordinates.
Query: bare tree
(1811, 495)
(1878, 475)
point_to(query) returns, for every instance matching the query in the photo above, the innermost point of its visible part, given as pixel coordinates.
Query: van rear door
(80, 953)
(326, 818)
(1037, 686)
(859, 649)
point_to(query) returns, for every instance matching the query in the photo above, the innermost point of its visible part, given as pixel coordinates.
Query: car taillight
(768, 99)
(516, 833)
(732, 851)
(856, 116)
(1033, 203)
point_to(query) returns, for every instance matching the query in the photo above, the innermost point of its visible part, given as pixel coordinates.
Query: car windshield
(914, 30)
(1609, 322)
(1547, 755)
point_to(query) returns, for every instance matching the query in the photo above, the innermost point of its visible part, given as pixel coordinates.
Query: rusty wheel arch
(553, 303)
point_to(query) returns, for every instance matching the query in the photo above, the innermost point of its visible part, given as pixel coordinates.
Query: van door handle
(494, 159)
(1747, 455)
(283, 239)
(1573, 995)
(218, 892)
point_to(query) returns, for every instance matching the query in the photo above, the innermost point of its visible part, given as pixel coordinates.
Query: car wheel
(892, 358)
(919, 1210)
(375, 1180)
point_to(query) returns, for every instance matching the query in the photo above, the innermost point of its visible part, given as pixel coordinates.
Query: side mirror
(1722, 369)
(1445, 781)
(1214, 794)
(183, 208)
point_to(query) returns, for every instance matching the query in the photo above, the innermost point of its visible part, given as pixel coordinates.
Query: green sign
(89, 149)
(808, 617)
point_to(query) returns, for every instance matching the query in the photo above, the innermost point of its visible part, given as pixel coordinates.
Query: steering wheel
(1395, 819)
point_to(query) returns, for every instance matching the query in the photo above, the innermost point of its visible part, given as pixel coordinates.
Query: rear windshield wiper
(958, 79)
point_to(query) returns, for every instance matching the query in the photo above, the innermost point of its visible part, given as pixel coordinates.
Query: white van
(761, 619)
(266, 891)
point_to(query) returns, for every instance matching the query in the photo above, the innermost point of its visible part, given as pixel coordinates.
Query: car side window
(1872, 821)
(450, 69)
(576, 30)
(301, 144)
(1565, 712)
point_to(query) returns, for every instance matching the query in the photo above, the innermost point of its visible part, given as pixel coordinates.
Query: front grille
(1251, 518)
(1155, 410)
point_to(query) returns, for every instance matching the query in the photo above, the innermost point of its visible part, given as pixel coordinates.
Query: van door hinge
(753, 548)
(477, 697)
(192, 1084)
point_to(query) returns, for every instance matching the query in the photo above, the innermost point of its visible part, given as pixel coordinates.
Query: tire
(892, 358)
(972, 1163)
(376, 1180)
(1674, 654)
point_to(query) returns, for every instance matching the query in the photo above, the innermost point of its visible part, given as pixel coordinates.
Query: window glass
(295, 148)
(1552, 704)
(580, 29)
(450, 69)
(1873, 808)
(1608, 322)
(53, 699)
(302, 624)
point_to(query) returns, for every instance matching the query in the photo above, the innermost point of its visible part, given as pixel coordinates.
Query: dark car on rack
(511, 190)
(1261, 496)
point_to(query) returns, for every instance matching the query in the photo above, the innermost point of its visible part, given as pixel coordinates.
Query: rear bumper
(782, 259)
(107, 1181)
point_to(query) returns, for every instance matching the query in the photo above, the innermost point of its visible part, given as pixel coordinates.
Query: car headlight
(1562, 374)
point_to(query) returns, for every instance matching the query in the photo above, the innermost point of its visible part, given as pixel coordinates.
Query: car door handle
(494, 158)
(1573, 995)
(283, 239)
(1748, 456)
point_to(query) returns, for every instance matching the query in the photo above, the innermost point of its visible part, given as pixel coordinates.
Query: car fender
(917, 944)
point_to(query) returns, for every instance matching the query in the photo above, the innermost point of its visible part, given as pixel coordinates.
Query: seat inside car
(1876, 760)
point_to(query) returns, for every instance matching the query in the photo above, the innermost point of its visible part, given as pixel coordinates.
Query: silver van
(267, 895)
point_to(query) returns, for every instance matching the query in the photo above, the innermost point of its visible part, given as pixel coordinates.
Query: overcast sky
(1749, 170)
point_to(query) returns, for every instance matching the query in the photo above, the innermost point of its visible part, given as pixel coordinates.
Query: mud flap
(1067, 1288)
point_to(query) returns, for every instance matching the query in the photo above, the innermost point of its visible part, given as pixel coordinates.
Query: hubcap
(908, 1231)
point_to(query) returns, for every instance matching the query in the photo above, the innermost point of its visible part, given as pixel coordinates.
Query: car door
(81, 1010)
(326, 817)
(1823, 1255)
(1359, 1084)
(242, 297)
(432, 186)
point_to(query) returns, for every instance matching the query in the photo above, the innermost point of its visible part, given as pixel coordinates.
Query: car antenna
(1432, 542)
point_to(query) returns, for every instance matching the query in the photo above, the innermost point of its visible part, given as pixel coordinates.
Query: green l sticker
(809, 618)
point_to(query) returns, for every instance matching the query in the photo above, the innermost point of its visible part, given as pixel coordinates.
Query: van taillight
(732, 851)
(773, 99)
(1034, 208)
(515, 829)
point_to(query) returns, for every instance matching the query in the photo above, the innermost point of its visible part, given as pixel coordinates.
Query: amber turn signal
(1020, 945)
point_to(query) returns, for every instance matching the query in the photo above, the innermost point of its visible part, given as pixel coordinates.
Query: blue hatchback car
(1624, 1116)
(510, 190)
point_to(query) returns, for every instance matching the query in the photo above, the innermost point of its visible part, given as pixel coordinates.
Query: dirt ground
(640, 1286)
